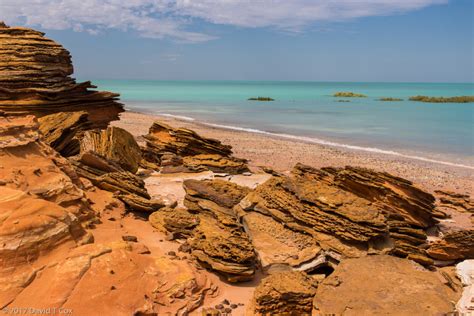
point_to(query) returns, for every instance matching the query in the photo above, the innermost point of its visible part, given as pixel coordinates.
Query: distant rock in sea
(390, 99)
(459, 99)
(261, 99)
(35, 79)
(346, 94)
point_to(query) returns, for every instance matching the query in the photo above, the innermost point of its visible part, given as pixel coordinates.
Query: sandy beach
(282, 154)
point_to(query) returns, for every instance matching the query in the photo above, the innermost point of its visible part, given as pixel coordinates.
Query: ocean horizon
(308, 111)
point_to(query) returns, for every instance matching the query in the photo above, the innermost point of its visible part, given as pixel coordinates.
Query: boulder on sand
(183, 150)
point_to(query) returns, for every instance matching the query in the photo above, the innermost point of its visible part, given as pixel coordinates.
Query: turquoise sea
(307, 110)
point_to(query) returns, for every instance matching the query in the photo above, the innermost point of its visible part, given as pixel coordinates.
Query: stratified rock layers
(349, 212)
(35, 79)
(110, 159)
(183, 150)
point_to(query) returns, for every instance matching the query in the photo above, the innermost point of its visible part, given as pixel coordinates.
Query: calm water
(443, 131)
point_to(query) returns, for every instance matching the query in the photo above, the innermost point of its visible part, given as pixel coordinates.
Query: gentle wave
(181, 117)
(322, 142)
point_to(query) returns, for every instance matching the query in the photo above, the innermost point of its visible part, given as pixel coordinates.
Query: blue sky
(345, 40)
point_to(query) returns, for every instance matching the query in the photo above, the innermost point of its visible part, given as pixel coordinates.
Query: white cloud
(174, 18)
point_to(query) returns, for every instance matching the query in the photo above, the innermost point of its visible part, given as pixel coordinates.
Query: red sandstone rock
(35, 79)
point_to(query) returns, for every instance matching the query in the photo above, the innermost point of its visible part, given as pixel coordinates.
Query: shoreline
(315, 140)
(281, 152)
(399, 150)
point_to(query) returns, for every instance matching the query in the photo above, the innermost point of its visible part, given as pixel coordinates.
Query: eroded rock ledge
(35, 78)
(182, 150)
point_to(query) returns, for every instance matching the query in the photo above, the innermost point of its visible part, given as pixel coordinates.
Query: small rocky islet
(419, 98)
(79, 216)
(260, 99)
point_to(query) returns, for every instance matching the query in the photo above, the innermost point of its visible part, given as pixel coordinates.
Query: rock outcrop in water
(347, 94)
(35, 79)
(183, 150)
(459, 99)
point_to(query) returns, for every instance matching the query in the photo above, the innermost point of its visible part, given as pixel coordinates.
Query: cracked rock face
(49, 260)
(384, 285)
(35, 79)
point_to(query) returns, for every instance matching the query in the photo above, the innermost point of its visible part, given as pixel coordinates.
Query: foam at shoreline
(318, 141)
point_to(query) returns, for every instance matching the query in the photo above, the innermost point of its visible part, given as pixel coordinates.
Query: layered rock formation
(110, 159)
(48, 259)
(62, 131)
(347, 212)
(214, 235)
(457, 245)
(455, 201)
(384, 285)
(183, 150)
(35, 79)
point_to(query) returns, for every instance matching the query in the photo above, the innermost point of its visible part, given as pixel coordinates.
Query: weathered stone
(457, 245)
(109, 159)
(144, 284)
(163, 138)
(114, 144)
(348, 212)
(219, 240)
(31, 226)
(29, 165)
(183, 150)
(465, 272)
(285, 293)
(35, 79)
(178, 222)
(18, 131)
(214, 235)
(455, 201)
(277, 245)
(383, 285)
(59, 130)
(215, 163)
